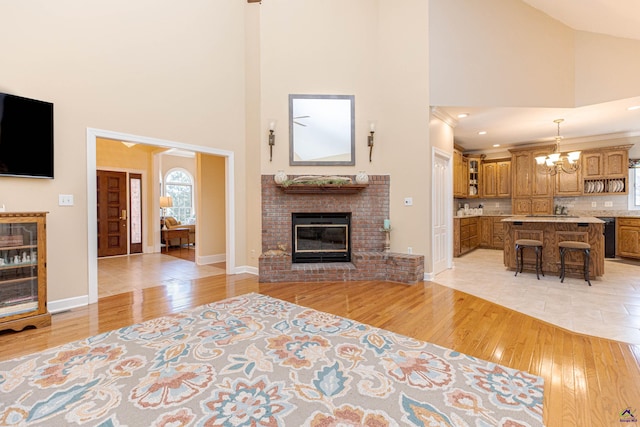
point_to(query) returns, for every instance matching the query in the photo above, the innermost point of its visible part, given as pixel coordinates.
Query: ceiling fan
(300, 117)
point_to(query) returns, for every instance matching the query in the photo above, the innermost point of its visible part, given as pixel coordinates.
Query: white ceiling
(517, 126)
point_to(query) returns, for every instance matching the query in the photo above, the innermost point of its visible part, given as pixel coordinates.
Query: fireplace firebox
(321, 237)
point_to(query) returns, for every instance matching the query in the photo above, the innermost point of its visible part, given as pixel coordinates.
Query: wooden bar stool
(529, 243)
(570, 245)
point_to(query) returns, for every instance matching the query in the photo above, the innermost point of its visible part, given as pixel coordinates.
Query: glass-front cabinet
(23, 278)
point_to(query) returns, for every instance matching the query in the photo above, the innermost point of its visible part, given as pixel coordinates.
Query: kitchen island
(551, 230)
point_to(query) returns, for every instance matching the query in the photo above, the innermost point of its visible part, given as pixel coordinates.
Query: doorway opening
(154, 216)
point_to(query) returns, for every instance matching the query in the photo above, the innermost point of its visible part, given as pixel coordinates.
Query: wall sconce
(272, 138)
(372, 130)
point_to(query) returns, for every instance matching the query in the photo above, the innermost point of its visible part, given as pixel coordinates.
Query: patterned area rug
(258, 361)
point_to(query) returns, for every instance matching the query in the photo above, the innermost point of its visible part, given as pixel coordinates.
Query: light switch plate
(608, 204)
(408, 201)
(65, 199)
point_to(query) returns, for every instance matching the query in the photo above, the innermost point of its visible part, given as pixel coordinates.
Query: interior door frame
(92, 237)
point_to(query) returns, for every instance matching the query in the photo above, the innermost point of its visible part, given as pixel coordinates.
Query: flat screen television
(26, 137)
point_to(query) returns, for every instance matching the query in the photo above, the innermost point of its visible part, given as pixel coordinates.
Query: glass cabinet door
(18, 268)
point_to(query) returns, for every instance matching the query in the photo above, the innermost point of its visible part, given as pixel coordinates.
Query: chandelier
(557, 161)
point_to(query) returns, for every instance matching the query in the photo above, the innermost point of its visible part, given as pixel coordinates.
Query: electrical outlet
(594, 204)
(408, 201)
(409, 250)
(608, 204)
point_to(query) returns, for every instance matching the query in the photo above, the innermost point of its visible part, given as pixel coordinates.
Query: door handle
(123, 216)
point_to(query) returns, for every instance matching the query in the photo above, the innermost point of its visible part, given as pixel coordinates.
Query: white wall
(173, 71)
(375, 50)
(499, 53)
(607, 68)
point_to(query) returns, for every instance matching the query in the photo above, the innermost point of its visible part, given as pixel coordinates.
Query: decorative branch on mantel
(323, 188)
(318, 180)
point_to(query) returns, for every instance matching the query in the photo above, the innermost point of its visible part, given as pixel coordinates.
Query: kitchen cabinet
(465, 235)
(485, 225)
(474, 164)
(604, 171)
(569, 184)
(496, 179)
(532, 188)
(592, 165)
(628, 237)
(491, 232)
(611, 162)
(23, 284)
(460, 175)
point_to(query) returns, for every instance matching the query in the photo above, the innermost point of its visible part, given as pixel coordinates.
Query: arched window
(178, 184)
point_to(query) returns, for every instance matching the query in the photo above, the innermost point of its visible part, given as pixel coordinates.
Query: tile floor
(610, 308)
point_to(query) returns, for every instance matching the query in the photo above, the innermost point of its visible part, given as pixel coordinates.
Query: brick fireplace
(368, 208)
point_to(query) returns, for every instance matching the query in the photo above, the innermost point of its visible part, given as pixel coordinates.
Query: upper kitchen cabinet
(604, 171)
(496, 178)
(532, 188)
(474, 165)
(592, 165)
(606, 162)
(569, 184)
(460, 174)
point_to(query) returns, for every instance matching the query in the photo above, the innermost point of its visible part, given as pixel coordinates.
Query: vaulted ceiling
(516, 126)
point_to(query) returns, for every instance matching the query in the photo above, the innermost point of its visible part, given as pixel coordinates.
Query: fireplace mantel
(323, 188)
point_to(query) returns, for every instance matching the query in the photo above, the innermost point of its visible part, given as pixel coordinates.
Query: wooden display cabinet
(474, 165)
(23, 278)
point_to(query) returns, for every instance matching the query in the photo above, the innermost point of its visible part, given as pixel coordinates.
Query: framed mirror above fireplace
(321, 130)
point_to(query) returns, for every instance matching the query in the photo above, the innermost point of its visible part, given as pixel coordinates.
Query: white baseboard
(211, 259)
(246, 269)
(428, 277)
(67, 304)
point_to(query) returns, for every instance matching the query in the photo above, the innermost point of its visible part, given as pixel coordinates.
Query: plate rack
(605, 186)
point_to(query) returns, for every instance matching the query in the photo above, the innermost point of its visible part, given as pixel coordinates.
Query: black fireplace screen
(321, 237)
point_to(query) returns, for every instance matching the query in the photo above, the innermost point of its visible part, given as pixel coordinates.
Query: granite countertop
(554, 218)
(480, 216)
(583, 214)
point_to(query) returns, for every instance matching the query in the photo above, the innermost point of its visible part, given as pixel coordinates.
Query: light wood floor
(588, 381)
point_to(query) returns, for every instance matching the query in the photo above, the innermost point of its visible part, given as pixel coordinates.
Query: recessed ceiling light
(496, 145)
(463, 115)
(482, 132)
(635, 107)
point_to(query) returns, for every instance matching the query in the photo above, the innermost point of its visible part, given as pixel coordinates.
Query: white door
(442, 208)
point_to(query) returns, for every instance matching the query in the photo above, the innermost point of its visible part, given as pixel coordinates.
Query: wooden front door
(112, 213)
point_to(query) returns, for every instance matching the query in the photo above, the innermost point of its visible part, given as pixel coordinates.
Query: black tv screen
(26, 137)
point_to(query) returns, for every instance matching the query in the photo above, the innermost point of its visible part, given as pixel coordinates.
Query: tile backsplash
(583, 205)
(489, 206)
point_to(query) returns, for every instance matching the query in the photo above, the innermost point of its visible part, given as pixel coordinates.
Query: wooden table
(551, 230)
(175, 233)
